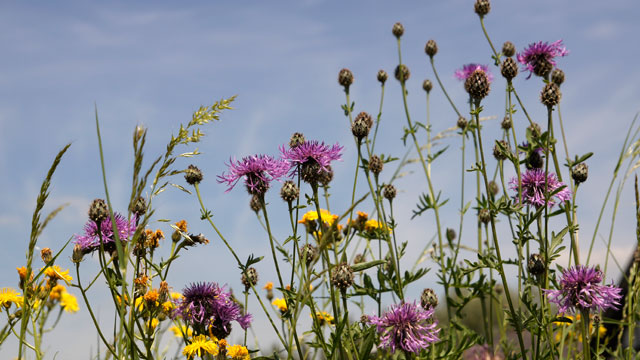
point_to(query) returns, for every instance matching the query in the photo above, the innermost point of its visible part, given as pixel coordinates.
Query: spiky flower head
(550, 95)
(366, 117)
(557, 76)
(311, 158)
(250, 277)
(192, 175)
(360, 128)
(427, 85)
(375, 165)
(482, 7)
(389, 192)
(342, 276)
(397, 30)
(98, 210)
(258, 172)
(428, 299)
(534, 183)
(209, 307)
(402, 73)
(580, 289)
(431, 48)
(296, 139)
(407, 327)
(345, 78)
(289, 191)
(538, 58)
(382, 76)
(509, 69)
(90, 240)
(467, 70)
(478, 84)
(580, 172)
(508, 49)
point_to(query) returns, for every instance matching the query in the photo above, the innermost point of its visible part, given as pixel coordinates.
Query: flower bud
(580, 172)
(296, 140)
(192, 175)
(550, 95)
(342, 276)
(360, 128)
(345, 78)
(326, 176)
(431, 48)
(557, 76)
(506, 123)
(509, 69)
(462, 123)
(249, 277)
(77, 254)
(451, 234)
(402, 73)
(482, 7)
(289, 191)
(494, 189)
(428, 299)
(308, 253)
(484, 216)
(501, 150)
(98, 211)
(427, 85)
(508, 49)
(389, 192)
(46, 255)
(535, 265)
(375, 165)
(255, 204)
(397, 30)
(477, 85)
(382, 76)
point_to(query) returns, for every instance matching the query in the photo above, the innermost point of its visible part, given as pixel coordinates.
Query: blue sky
(154, 63)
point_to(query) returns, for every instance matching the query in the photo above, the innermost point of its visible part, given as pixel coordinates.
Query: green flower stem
(273, 249)
(246, 311)
(343, 294)
(224, 240)
(435, 72)
(586, 348)
(516, 319)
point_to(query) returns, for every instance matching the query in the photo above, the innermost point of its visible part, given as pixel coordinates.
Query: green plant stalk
(273, 250)
(516, 320)
(435, 72)
(586, 349)
(346, 317)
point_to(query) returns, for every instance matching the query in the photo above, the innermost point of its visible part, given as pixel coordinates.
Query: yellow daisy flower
(281, 304)
(57, 291)
(327, 217)
(54, 273)
(238, 352)
(69, 302)
(9, 296)
(199, 346)
(176, 296)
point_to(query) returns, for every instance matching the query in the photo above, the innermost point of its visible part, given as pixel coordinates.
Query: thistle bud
(535, 265)
(77, 254)
(402, 73)
(139, 207)
(360, 128)
(46, 255)
(462, 123)
(326, 176)
(397, 30)
(342, 276)
(366, 117)
(542, 67)
(550, 95)
(501, 150)
(308, 253)
(451, 234)
(509, 69)
(535, 130)
(249, 277)
(580, 172)
(506, 123)
(508, 49)
(477, 85)
(382, 76)
(345, 78)
(296, 140)
(375, 165)
(494, 189)
(427, 85)
(98, 211)
(482, 7)
(431, 48)
(428, 299)
(484, 216)
(389, 192)
(557, 76)
(289, 191)
(192, 175)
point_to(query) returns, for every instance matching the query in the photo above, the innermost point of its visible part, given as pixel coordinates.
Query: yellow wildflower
(151, 297)
(54, 273)
(268, 286)
(167, 306)
(178, 331)
(327, 217)
(57, 291)
(281, 304)
(182, 225)
(176, 296)
(9, 296)
(238, 352)
(69, 302)
(153, 324)
(199, 346)
(324, 318)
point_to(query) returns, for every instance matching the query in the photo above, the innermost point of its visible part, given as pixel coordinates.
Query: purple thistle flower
(541, 54)
(90, 241)
(406, 326)
(311, 158)
(207, 307)
(580, 289)
(258, 172)
(533, 186)
(468, 69)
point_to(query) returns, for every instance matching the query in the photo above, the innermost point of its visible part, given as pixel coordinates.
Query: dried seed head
(482, 7)
(535, 265)
(550, 95)
(98, 211)
(342, 276)
(255, 204)
(484, 215)
(462, 123)
(451, 234)
(494, 189)
(477, 85)
(389, 192)
(397, 30)
(509, 68)
(501, 150)
(382, 76)
(250, 277)
(326, 176)
(508, 49)
(375, 165)
(46, 255)
(428, 299)
(308, 253)
(506, 123)
(289, 191)
(296, 140)
(402, 73)
(427, 85)
(139, 207)
(580, 172)
(557, 76)
(192, 175)
(345, 78)
(431, 48)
